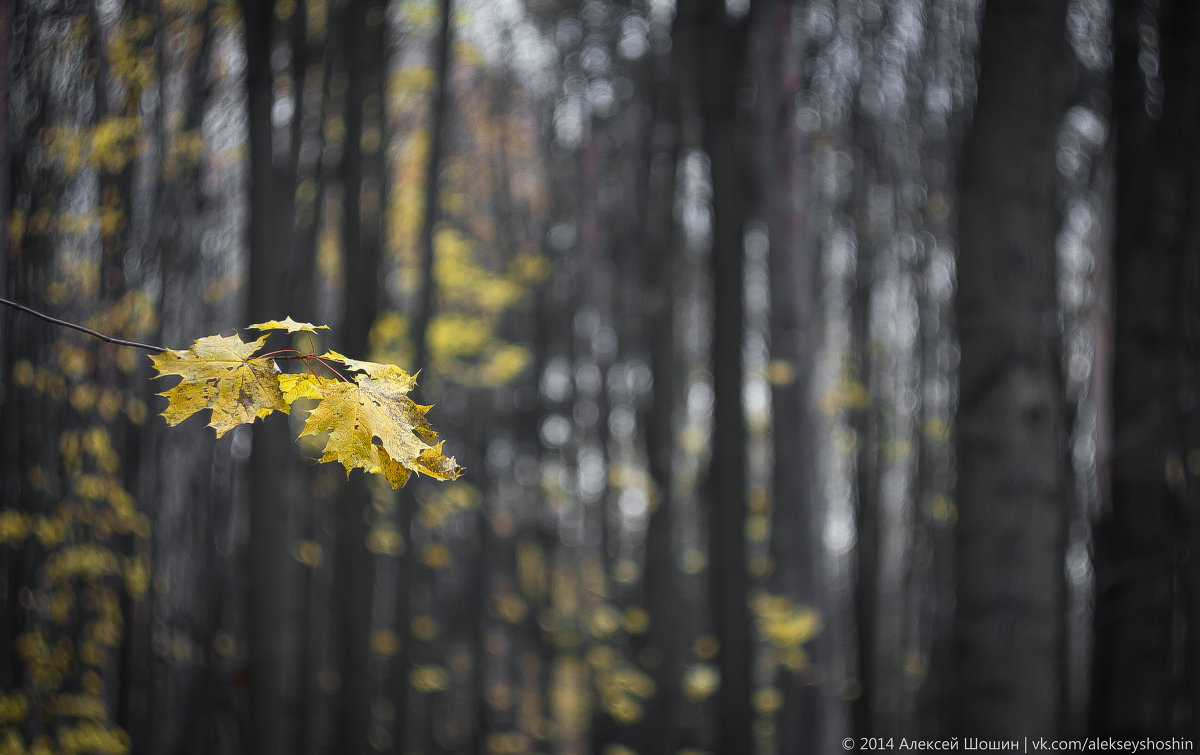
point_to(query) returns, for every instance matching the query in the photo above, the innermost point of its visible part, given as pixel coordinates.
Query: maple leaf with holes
(370, 422)
(399, 380)
(219, 373)
(374, 426)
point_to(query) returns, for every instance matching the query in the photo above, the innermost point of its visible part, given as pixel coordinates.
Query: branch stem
(81, 329)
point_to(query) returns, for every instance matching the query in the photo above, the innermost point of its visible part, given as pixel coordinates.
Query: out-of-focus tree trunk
(363, 199)
(425, 306)
(427, 297)
(1012, 435)
(932, 515)
(9, 168)
(59, 432)
(1141, 532)
(28, 416)
(280, 281)
(186, 705)
(783, 172)
(6, 164)
(659, 243)
(721, 72)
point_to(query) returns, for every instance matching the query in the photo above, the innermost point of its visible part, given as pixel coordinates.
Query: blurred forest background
(820, 368)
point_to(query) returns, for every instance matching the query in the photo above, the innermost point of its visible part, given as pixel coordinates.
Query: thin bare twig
(81, 329)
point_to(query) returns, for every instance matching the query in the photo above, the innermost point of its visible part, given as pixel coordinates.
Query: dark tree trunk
(27, 415)
(1011, 443)
(279, 282)
(658, 242)
(721, 71)
(1142, 530)
(783, 172)
(361, 29)
(427, 297)
(425, 306)
(185, 706)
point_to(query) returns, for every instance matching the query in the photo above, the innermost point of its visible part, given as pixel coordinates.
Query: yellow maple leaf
(220, 373)
(401, 381)
(373, 426)
(289, 325)
(432, 463)
(302, 385)
(369, 423)
(375, 461)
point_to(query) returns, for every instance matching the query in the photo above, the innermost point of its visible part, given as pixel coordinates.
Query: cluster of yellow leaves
(848, 394)
(787, 626)
(479, 287)
(86, 736)
(440, 507)
(91, 546)
(428, 679)
(701, 681)
(109, 145)
(131, 54)
(369, 422)
(620, 686)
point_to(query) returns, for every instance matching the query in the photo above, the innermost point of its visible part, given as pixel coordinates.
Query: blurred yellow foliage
(779, 372)
(430, 679)
(531, 569)
(436, 556)
(916, 666)
(13, 707)
(635, 620)
(308, 552)
(463, 281)
(445, 501)
(384, 642)
(620, 686)
(507, 743)
(510, 608)
(91, 561)
(705, 647)
(942, 508)
(424, 627)
(80, 706)
(386, 541)
(456, 335)
(768, 700)
(937, 430)
(783, 623)
(847, 394)
(604, 621)
(700, 681)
